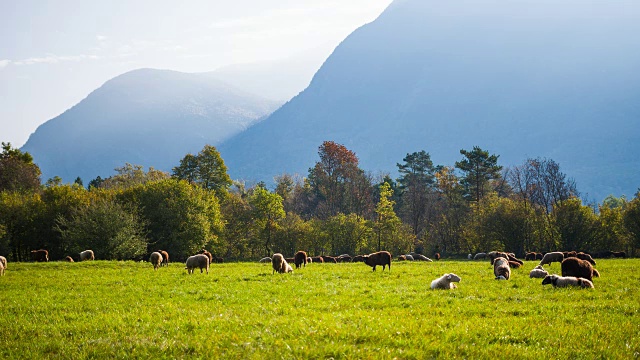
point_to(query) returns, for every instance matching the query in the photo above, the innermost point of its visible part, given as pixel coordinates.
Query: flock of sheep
(577, 268)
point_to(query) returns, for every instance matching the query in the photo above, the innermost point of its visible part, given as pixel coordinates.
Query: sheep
(3, 260)
(514, 264)
(382, 258)
(550, 257)
(585, 256)
(207, 254)
(620, 254)
(409, 257)
(279, 264)
(480, 256)
(469, 257)
(530, 256)
(288, 268)
(402, 258)
(579, 268)
(329, 259)
(87, 255)
(358, 258)
(156, 260)
(538, 272)
(437, 256)
(317, 259)
(512, 257)
(446, 281)
(197, 261)
(344, 258)
(290, 260)
(565, 281)
(420, 257)
(40, 255)
(265, 260)
(309, 260)
(165, 258)
(69, 259)
(501, 268)
(300, 258)
(539, 256)
(2, 269)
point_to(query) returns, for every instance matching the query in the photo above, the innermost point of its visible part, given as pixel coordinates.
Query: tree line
(475, 205)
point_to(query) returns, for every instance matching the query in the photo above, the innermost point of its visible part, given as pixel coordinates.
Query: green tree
(479, 170)
(576, 224)
(631, 220)
(112, 231)
(132, 175)
(207, 169)
(416, 185)
(292, 234)
(387, 225)
(267, 211)
(181, 218)
(238, 218)
(17, 170)
(611, 232)
(18, 218)
(446, 233)
(347, 234)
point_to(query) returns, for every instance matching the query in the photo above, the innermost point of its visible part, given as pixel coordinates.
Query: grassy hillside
(240, 310)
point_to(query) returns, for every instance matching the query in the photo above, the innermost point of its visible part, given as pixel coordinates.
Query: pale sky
(54, 53)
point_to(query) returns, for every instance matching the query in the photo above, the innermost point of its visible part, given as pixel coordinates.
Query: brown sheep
(300, 258)
(402, 258)
(585, 256)
(514, 264)
(501, 268)
(344, 258)
(317, 259)
(207, 254)
(290, 260)
(329, 259)
(40, 255)
(619, 254)
(279, 264)
(579, 268)
(358, 258)
(382, 258)
(69, 259)
(437, 256)
(497, 254)
(156, 260)
(165, 258)
(530, 256)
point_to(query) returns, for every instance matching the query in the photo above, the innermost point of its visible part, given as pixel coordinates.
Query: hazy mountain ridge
(525, 79)
(147, 117)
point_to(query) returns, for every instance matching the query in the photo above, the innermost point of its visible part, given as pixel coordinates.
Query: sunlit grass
(240, 310)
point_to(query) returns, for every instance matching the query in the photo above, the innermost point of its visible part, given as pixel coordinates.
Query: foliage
(267, 212)
(416, 185)
(388, 227)
(631, 219)
(479, 169)
(17, 170)
(347, 234)
(207, 169)
(132, 175)
(576, 225)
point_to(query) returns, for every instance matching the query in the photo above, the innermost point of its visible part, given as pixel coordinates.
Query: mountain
(526, 78)
(145, 117)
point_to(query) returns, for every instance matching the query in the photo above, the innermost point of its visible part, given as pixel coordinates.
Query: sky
(54, 53)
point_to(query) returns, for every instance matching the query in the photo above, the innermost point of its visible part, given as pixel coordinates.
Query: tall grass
(106, 309)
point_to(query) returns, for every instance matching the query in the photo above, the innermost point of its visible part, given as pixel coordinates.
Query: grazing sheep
(40, 255)
(218, 260)
(619, 254)
(358, 258)
(207, 254)
(437, 256)
(565, 281)
(165, 258)
(317, 259)
(530, 256)
(585, 256)
(344, 258)
(87, 255)
(550, 257)
(279, 264)
(579, 268)
(265, 260)
(402, 258)
(568, 254)
(197, 261)
(300, 258)
(329, 259)
(69, 259)
(539, 256)
(446, 281)
(501, 268)
(309, 260)
(156, 260)
(382, 258)
(538, 272)
(496, 254)
(480, 256)
(3, 260)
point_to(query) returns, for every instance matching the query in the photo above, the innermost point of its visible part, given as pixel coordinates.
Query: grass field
(105, 309)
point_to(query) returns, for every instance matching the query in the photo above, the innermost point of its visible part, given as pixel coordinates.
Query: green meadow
(112, 309)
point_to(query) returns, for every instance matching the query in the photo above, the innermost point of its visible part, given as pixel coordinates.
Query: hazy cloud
(4, 63)
(54, 59)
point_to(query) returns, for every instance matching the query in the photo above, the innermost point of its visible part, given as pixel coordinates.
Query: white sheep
(446, 281)
(265, 260)
(1, 269)
(564, 281)
(288, 268)
(197, 261)
(3, 260)
(538, 272)
(87, 255)
(480, 256)
(156, 260)
(409, 257)
(550, 257)
(501, 268)
(469, 257)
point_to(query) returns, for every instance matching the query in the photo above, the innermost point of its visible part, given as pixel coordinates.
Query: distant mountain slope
(146, 117)
(521, 79)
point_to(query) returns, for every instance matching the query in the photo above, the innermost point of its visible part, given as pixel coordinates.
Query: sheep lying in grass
(197, 261)
(550, 257)
(446, 281)
(565, 281)
(538, 272)
(501, 268)
(156, 260)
